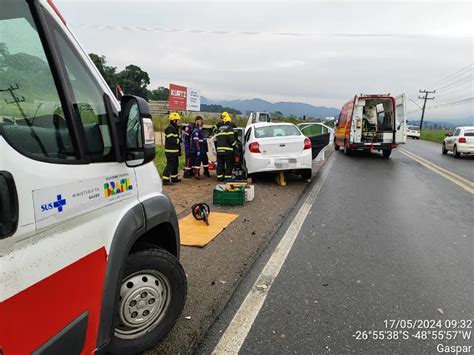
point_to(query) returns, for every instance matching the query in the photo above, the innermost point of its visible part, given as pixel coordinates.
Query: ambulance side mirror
(137, 131)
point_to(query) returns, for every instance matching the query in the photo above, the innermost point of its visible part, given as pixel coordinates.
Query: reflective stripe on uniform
(174, 176)
(205, 166)
(172, 135)
(220, 176)
(171, 150)
(166, 178)
(223, 134)
(228, 176)
(225, 149)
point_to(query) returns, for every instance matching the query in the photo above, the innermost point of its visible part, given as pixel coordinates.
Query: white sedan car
(460, 142)
(413, 132)
(277, 147)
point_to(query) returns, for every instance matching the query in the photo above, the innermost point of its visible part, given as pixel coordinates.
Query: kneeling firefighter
(225, 142)
(172, 150)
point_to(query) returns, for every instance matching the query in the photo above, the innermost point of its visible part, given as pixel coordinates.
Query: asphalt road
(463, 166)
(385, 239)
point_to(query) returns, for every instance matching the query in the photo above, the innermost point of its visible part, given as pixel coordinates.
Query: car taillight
(307, 143)
(462, 140)
(254, 147)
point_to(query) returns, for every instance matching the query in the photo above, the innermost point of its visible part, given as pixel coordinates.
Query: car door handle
(8, 205)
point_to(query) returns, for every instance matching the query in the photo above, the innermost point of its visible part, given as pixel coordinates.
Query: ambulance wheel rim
(144, 299)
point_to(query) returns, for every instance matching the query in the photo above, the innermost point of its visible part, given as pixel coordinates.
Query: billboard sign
(178, 95)
(184, 99)
(194, 100)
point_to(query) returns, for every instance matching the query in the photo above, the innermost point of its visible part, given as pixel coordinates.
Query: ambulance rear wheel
(347, 150)
(336, 147)
(386, 153)
(152, 296)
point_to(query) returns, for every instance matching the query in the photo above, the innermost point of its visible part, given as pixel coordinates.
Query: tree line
(133, 80)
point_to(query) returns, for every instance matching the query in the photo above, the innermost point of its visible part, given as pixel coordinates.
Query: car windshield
(414, 128)
(276, 131)
(469, 133)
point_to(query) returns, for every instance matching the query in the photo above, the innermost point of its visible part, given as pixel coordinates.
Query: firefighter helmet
(174, 116)
(226, 117)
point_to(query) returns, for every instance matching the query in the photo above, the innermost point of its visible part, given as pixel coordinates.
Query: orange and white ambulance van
(372, 122)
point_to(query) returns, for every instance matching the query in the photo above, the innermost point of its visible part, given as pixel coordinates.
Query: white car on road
(277, 147)
(460, 142)
(413, 132)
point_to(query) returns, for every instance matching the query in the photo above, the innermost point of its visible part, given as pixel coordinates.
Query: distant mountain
(444, 124)
(286, 108)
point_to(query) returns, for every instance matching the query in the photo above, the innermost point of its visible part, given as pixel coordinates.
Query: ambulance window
(88, 98)
(31, 117)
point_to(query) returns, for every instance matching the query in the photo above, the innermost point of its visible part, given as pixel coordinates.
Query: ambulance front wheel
(152, 296)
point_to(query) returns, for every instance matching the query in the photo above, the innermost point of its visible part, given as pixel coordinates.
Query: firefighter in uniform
(187, 132)
(172, 150)
(225, 142)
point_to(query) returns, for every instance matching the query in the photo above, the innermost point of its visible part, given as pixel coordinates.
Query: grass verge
(434, 136)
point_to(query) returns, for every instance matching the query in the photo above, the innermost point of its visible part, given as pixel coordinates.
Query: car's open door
(401, 120)
(319, 134)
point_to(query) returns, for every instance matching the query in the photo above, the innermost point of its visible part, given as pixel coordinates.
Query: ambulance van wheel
(152, 296)
(336, 147)
(386, 153)
(347, 150)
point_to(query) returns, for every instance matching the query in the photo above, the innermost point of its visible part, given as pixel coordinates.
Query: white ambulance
(89, 244)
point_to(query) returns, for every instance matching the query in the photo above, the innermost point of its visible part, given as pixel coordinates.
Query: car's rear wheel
(386, 153)
(152, 296)
(444, 150)
(455, 152)
(307, 174)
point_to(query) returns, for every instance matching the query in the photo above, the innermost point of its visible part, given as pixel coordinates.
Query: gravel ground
(215, 271)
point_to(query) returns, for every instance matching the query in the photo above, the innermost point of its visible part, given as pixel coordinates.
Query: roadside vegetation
(436, 136)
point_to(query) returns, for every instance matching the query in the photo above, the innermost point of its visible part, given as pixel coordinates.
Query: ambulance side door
(400, 119)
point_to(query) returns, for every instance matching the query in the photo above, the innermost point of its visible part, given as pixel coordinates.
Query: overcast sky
(335, 49)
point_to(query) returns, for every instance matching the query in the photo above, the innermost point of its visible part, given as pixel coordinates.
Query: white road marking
(468, 186)
(238, 329)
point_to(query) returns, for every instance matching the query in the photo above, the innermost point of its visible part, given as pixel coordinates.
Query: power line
(453, 103)
(458, 82)
(456, 89)
(254, 33)
(449, 77)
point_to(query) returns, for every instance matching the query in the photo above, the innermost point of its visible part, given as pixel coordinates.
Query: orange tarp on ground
(198, 234)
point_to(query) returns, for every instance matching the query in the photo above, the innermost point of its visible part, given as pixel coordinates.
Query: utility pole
(425, 98)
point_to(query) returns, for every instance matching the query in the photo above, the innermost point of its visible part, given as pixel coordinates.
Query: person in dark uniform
(196, 147)
(187, 132)
(225, 142)
(204, 150)
(172, 150)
